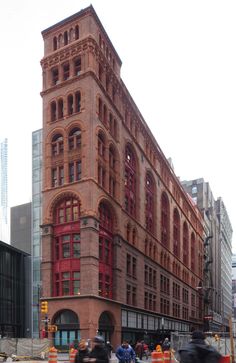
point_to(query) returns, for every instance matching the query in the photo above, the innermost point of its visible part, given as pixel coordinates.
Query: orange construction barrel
(72, 355)
(166, 356)
(157, 357)
(52, 355)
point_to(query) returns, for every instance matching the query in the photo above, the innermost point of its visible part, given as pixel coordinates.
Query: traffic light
(52, 328)
(44, 307)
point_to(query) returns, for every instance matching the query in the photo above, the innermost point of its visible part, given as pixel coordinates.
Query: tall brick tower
(118, 230)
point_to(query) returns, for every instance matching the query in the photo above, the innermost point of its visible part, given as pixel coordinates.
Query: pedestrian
(109, 348)
(99, 352)
(198, 351)
(166, 344)
(83, 352)
(139, 349)
(125, 353)
(145, 350)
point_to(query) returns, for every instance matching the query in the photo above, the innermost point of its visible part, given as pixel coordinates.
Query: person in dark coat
(99, 352)
(83, 352)
(166, 345)
(109, 349)
(197, 351)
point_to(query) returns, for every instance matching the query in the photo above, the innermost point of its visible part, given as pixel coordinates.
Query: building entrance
(68, 329)
(105, 326)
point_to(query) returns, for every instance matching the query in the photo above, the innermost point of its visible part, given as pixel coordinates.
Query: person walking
(125, 353)
(166, 345)
(109, 349)
(198, 351)
(82, 353)
(139, 350)
(99, 352)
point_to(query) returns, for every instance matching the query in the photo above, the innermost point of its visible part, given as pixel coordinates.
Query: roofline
(4, 244)
(87, 10)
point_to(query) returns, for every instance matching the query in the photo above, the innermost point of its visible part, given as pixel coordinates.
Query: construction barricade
(225, 359)
(52, 355)
(157, 357)
(72, 355)
(166, 356)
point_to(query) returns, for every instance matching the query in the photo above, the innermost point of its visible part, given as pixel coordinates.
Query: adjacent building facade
(36, 221)
(122, 244)
(15, 317)
(217, 286)
(21, 227)
(4, 232)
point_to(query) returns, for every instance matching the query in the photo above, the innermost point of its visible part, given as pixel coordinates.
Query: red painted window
(185, 244)
(130, 182)
(66, 248)
(165, 220)
(105, 251)
(149, 203)
(176, 233)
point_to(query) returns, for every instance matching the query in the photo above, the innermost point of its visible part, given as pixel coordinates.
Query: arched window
(193, 247)
(100, 113)
(71, 35)
(55, 43)
(57, 145)
(165, 220)
(101, 162)
(105, 250)
(185, 244)
(149, 190)
(60, 108)
(60, 40)
(77, 101)
(66, 246)
(65, 38)
(134, 237)
(105, 114)
(70, 106)
(111, 124)
(130, 181)
(53, 111)
(67, 211)
(101, 145)
(75, 138)
(176, 234)
(112, 174)
(128, 229)
(76, 32)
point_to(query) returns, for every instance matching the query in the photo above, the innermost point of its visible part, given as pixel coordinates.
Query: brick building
(122, 246)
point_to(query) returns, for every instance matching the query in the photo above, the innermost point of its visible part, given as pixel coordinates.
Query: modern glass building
(4, 235)
(36, 222)
(14, 292)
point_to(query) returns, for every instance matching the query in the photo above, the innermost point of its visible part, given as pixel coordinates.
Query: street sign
(45, 320)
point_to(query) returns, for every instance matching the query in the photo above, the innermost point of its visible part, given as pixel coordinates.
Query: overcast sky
(179, 64)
